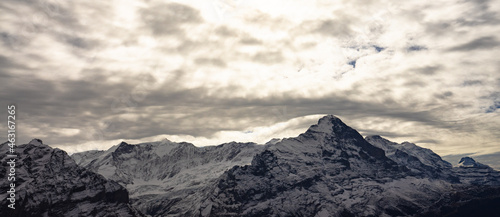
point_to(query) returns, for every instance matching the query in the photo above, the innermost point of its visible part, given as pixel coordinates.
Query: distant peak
(36, 141)
(468, 162)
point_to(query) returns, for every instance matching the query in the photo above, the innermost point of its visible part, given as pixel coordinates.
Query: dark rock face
(49, 183)
(468, 201)
(420, 161)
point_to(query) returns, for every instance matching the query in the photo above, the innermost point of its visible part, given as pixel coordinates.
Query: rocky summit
(49, 183)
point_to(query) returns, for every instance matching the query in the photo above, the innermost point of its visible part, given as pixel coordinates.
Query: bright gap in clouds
(87, 75)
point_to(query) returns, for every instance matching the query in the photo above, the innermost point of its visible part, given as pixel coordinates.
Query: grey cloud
(53, 19)
(226, 31)
(298, 107)
(79, 42)
(483, 18)
(444, 95)
(495, 106)
(472, 82)
(265, 20)
(210, 61)
(415, 83)
(427, 141)
(368, 132)
(224, 34)
(429, 70)
(268, 57)
(479, 14)
(337, 28)
(88, 103)
(247, 40)
(416, 48)
(186, 47)
(42, 16)
(54, 104)
(13, 41)
(487, 42)
(439, 28)
(166, 19)
(7, 63)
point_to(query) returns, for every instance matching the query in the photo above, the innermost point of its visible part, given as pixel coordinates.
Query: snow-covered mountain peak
(36, 142)
(326, 124)
(475, 173)
(48, 182)
(468, 162)
(329, 118)
(124, 147)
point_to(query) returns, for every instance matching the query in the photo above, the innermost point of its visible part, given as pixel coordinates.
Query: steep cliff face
(422, 162)
(49, 183)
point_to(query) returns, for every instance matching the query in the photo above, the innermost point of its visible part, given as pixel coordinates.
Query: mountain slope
(328, 171)
(426, 163)
(425, 156)
(167, 178)
(49, 183)
(421, 161)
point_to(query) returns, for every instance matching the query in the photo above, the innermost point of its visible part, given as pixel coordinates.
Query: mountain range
(329, 170)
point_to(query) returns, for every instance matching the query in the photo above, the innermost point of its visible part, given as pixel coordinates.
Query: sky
(85, 75)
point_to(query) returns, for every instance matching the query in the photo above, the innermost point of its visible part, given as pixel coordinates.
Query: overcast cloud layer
(86, 75)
